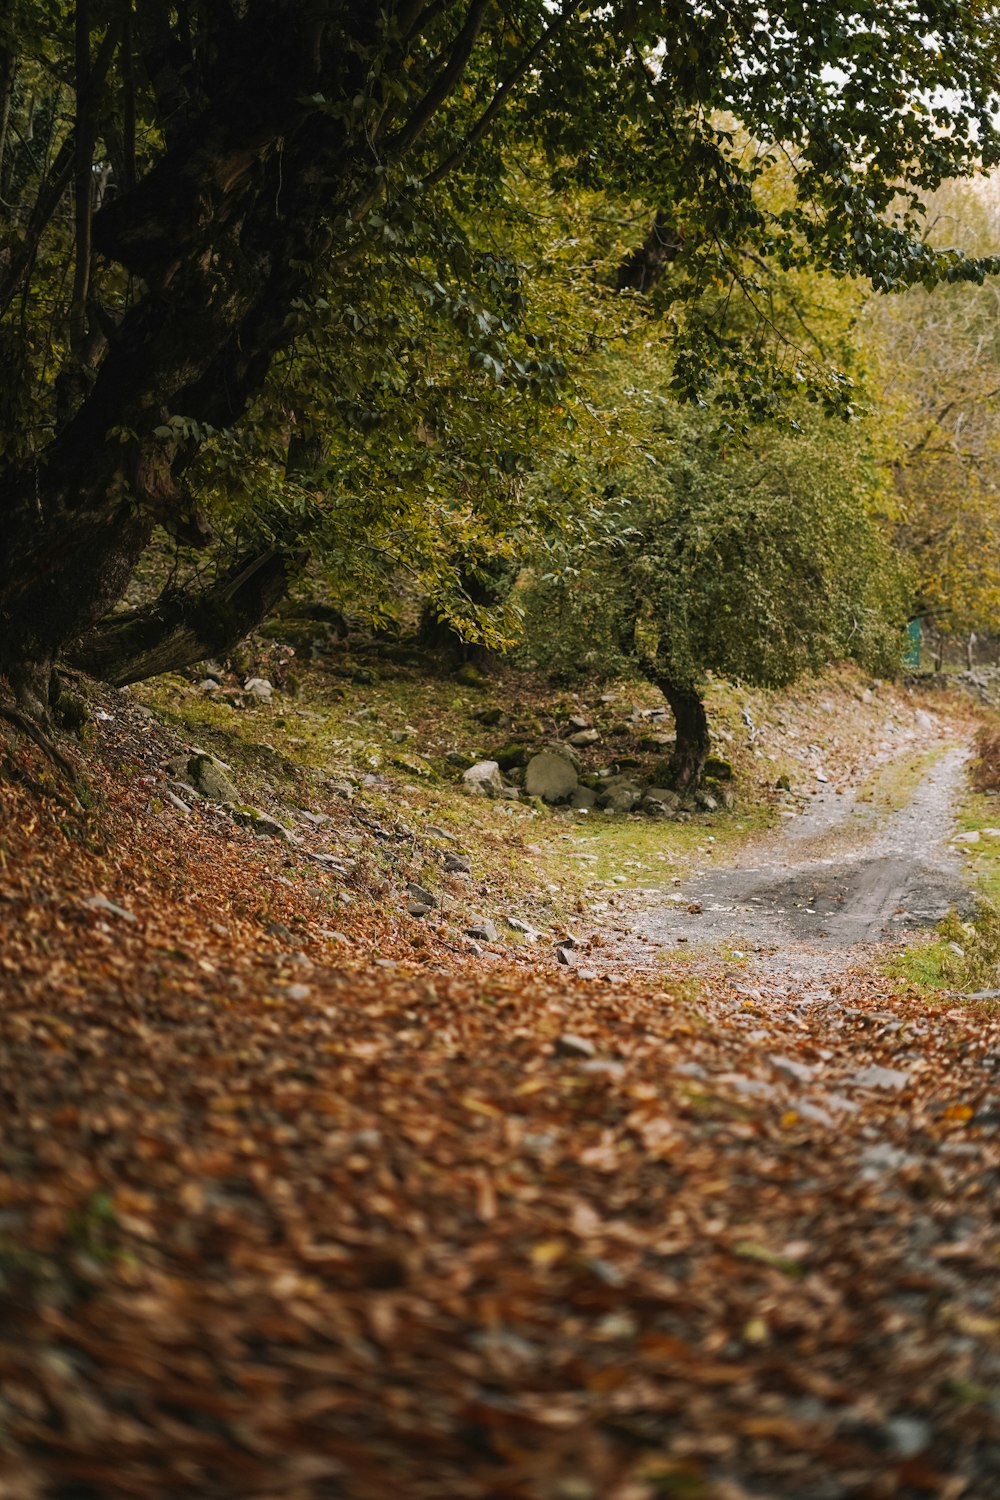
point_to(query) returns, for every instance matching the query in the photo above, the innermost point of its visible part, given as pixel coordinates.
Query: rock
(583, 799)
(512, 793)
(571, 1045)
(822, 776)
(584, 737)
(418, 908)
(517, 925)
(966, 838)
(209, 685)
(576, 721)
(102, 904)
(482, 932)
(491, 717)
(483, 779)
(178, 802)
(419, 893)
(603, 1067)
(442, 833)
(259, 687)
(663, 795)
(415, 764)
(470, 676)
(875, 1077)
(259, 822)
(565, 955)
(512, 755)
(619, 799)
(656, 743)
(457, 864)
(343, 789)
(719, 768)
(706, 801)
(551, 776)
(457, 758)
(924, 720)
(207, 776)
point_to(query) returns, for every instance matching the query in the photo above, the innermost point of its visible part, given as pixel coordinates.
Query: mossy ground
(396, 725)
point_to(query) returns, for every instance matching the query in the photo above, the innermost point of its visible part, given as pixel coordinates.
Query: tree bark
(693, 743)
(186, 625)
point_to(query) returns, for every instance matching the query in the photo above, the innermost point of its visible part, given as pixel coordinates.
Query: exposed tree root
(28, 727)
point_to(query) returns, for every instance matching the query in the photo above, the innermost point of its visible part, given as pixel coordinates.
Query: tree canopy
(191, 188)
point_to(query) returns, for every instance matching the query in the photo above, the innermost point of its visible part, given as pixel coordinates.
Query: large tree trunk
(186, 625)
(221, 239)
(693, 743)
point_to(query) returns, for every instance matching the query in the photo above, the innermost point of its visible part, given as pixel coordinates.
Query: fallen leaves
(276, 1222)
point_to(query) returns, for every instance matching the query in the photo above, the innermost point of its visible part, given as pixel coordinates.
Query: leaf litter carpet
(279, 1222)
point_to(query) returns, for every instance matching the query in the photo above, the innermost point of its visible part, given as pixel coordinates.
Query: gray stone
(343, 789)
(619, 799)
(584, 737)
(583, 799)
(421, 894)
(259, 822)
(483, 779)
(483, 931)
(259, 687)
(565, 955)
(874, 1077)
(208, 776)
(418, 908)
(102, 904)
(663, 795)
(457, 864)
(706, 801)
(517, 925)
(551, 776)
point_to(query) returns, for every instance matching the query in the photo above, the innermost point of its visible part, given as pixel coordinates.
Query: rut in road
(834, 883)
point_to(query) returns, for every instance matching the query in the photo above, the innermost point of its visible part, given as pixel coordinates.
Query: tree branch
(439, 91)
(499, 99)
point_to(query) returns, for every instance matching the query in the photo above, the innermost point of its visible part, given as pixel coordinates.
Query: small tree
(757, 559)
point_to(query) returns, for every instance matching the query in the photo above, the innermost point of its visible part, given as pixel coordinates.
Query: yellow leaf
(547, 1252)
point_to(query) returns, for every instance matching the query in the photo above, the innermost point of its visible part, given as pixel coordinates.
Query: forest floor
(303, 1197)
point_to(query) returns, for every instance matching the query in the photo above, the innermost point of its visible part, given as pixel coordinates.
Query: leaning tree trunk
(693, 744)
(186, 625)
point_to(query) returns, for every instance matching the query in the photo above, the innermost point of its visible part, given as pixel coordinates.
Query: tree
(756, 558)
(936, 363)
(229, 159)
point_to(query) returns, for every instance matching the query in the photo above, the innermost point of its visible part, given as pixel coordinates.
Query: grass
(965, 955)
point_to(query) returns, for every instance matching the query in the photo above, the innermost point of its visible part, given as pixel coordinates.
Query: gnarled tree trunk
(693, 744)
(186, 625)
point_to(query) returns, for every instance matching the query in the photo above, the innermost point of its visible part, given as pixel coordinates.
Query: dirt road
(837, 880)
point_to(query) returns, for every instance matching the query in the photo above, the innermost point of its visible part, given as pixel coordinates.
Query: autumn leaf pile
(281, 1219)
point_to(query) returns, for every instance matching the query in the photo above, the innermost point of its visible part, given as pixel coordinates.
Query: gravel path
(835, 882)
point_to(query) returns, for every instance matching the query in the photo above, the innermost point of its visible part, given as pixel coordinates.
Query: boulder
(551, 776)
(662, 796)
(619, 799)
(483, 932)
(584, 737)
(259, 687)
(719, 768)
(208, 776)
(260, 823)
(483, 779)
(584, 798)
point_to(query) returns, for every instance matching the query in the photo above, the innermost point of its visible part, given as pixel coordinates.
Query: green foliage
(756, 557)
